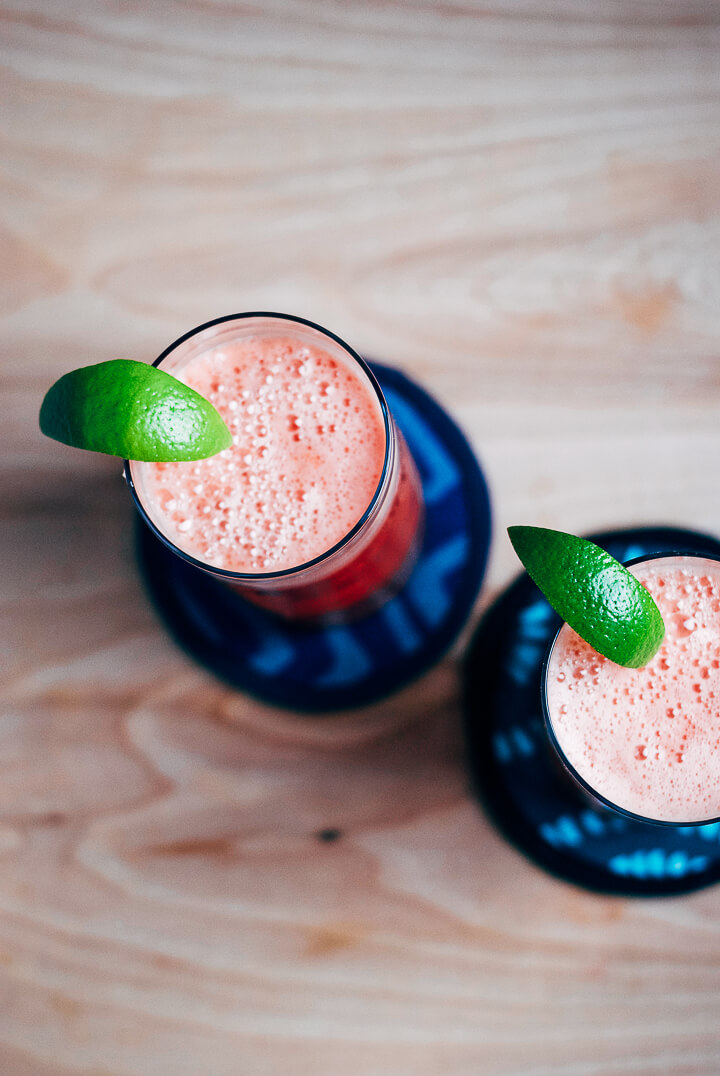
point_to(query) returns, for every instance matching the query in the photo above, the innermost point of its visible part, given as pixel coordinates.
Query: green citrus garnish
(130, 409)
(598, 597)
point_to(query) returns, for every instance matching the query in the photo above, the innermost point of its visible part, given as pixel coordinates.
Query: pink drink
(307, 455)
(316, 463)
(648, 740)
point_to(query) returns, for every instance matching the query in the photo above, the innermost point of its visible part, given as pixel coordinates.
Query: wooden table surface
(519, 205)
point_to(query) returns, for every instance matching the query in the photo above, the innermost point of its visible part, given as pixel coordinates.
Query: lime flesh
(130, 409)
(598, 597)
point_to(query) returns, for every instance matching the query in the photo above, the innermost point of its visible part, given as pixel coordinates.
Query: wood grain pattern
(517, 203)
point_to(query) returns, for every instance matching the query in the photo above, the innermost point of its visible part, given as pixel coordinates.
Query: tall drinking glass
(315, 512)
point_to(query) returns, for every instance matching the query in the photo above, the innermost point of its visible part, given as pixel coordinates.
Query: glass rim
(547, 720)
(284, 573)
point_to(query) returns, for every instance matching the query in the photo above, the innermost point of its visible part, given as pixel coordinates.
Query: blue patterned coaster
(520, 781)
(333, 668)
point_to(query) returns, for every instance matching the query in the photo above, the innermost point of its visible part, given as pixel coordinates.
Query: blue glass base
(320, 669)
(519, 780)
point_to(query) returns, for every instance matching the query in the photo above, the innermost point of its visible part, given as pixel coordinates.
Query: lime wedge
(598, 597)
(130, 409)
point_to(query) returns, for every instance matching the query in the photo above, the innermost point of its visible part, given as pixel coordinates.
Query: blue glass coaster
(320, 669)
(518, 779)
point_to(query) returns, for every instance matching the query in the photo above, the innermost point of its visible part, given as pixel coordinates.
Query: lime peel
(131, 409)
(593, 592)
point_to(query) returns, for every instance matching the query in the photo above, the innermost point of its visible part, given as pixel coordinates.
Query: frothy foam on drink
(649, 739)
(307, 455)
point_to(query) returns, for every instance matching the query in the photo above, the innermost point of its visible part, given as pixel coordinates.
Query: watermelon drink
(315, 511)
(646, 741)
